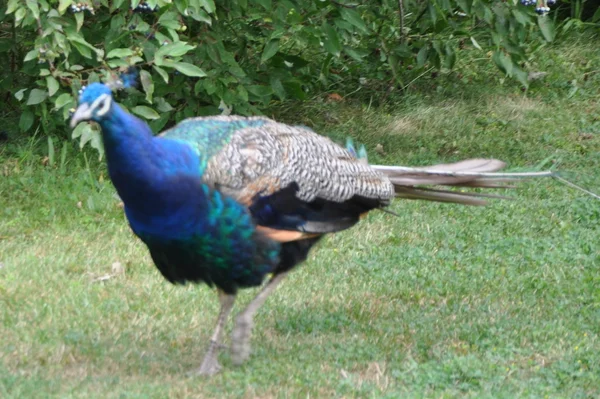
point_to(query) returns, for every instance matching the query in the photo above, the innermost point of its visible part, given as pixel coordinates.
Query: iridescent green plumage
(207, 136)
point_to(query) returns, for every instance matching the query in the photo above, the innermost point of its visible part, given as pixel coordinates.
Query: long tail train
(416, 183)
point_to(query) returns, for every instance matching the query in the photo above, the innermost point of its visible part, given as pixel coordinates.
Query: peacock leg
(240, 340)
(210, 364)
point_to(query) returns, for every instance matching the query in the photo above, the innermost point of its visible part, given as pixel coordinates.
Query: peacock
(230, 201)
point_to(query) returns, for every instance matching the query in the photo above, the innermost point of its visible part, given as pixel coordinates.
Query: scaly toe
(207, 369)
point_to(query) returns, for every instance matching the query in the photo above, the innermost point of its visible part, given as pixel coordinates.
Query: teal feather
(207, 136)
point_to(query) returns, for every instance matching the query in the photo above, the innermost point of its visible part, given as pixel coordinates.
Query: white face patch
(102, 104)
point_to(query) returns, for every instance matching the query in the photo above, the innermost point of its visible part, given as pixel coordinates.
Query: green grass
(444, 301)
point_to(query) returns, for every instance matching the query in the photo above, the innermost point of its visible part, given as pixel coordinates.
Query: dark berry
(145, 7)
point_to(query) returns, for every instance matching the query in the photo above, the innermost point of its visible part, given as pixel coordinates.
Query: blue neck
(158, 179)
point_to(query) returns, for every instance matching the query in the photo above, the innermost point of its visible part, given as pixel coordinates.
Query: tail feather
(473, 173)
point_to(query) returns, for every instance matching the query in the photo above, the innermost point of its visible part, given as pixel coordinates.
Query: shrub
(202, 57)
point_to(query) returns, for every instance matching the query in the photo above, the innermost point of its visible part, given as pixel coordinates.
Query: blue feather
(194, 232)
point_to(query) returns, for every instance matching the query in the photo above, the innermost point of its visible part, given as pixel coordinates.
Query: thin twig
(573, 185)
(401, 8)
(351, 93)
(40, 31)
(417, 78)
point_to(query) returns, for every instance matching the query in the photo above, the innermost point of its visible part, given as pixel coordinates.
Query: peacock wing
(293, 179)
(208, 135)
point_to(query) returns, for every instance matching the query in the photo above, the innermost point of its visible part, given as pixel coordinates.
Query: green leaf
(62, 100)
(422, 56)
(83, 50)
(432, 11)
(35, 9)
(36, 96)
(82, 45)
(147, 84)
(119, 53)
(294, 88)
(547, 27)
(117, 63)
(189, 69)
(96, 143)
(465, 5)
(520, 16)
(200, 15)
(31, 55)
(20, 94)
(259, 90)
(270, 50)
(596, 16)
(475, 44)
(265, 3)
(80, 130)
(79, 20)
(63, 156)
(52, 85)
(145, 112)
(170, 19)
(63, 5)
(210, 86)
(19, 15)
(51, 153)
(26, 120)
(357, 55)
(89, 134)
(12, 6)
(521, 75)
(503, 62)
(162, 105)
(208, 5)
(278, 88)
(332, 40)
(242, 93)
(116, 4)
(354, 18)
(176, 49)
(450, 56)
(163, 74)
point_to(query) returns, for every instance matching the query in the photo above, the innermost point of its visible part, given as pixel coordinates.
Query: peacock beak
(82, 113)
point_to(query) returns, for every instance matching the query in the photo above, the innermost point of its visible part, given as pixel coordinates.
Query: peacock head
(95, 102)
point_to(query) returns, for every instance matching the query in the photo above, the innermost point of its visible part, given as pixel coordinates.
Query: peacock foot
(210, 366)
(240, 340)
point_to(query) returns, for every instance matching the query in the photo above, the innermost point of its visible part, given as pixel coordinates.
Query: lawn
(443, 301)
